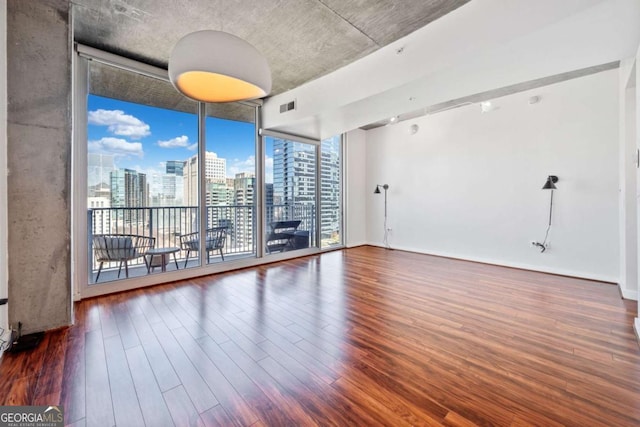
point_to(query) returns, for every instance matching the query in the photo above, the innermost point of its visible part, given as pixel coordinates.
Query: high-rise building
(129, 189)
(268, 194)
(174, 167)
(100, 216)
(219, 194)
(215, 171)
(190, 181)
(294, 183)
(215, 168)
(244, 191)
(293, 195)
(331, 191)
(166, 189)
(243, 185)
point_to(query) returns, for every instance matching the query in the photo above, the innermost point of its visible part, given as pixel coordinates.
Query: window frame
(80, 268)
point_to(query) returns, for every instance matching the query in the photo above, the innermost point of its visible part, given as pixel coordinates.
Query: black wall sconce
(385, 187)
(550, 184)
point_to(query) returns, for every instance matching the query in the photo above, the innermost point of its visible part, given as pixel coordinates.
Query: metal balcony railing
(167, 223)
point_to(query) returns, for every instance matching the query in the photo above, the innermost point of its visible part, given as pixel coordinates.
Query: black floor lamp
(549, 185)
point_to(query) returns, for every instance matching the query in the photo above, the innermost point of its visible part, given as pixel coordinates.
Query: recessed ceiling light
(486, 106)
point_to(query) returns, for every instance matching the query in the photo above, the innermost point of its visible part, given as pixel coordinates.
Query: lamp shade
(377, 190)
(213, 66)
(550, 184)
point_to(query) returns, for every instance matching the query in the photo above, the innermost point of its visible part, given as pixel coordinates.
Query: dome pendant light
(213, 66)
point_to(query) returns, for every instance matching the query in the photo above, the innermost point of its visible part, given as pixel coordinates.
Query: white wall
(497, 43)
(355, 218)
(4, 320)
(468, 184)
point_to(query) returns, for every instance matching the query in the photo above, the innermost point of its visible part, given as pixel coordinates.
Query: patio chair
(282, 235)
(215, 239)
(121, 248)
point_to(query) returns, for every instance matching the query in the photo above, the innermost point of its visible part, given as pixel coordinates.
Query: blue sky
(143, 138)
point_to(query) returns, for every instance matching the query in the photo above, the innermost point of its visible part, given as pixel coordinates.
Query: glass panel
(230, 181)
(138, 145)
(290, 190)
(331, 192)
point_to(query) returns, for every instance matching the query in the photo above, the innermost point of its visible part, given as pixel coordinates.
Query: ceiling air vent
(288, 106)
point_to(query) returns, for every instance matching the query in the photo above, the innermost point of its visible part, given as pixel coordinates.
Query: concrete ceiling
(301, 39)
(481, 50)
(355, 63)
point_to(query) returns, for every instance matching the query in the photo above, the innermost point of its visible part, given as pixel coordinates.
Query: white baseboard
(636, 327)
(627, 294)
(522, 266)
(355, 244)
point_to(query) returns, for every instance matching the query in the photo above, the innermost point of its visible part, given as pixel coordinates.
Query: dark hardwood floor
(359, 337)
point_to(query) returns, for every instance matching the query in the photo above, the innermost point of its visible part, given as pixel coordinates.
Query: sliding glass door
(230, 179)
(149, 164)
(331, 195)
(139, 146)
(290, 190)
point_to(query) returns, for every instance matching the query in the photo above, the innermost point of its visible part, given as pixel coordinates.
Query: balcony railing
(167, 223)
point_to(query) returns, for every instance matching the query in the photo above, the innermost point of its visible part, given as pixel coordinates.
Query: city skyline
(150, 159)
(145, 138)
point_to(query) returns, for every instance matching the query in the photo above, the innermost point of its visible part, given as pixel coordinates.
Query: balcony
(167, 224)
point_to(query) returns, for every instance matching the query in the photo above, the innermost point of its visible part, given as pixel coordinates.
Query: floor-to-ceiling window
(331, 212)
(150, 163)
(139, 146)
(230, 179)
(290, 194)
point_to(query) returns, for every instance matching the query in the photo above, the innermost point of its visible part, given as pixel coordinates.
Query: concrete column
(39, 162)
(4, 291)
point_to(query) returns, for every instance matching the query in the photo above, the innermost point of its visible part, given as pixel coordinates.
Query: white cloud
(177, 142)
(116, 147)
(120, 123)
(193, 147)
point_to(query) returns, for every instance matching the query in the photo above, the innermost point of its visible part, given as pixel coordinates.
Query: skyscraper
(244, 190)
(215, 171)
(331, 191)
(294, 173)
(175, 167)
(128, 189)
(294, 184)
